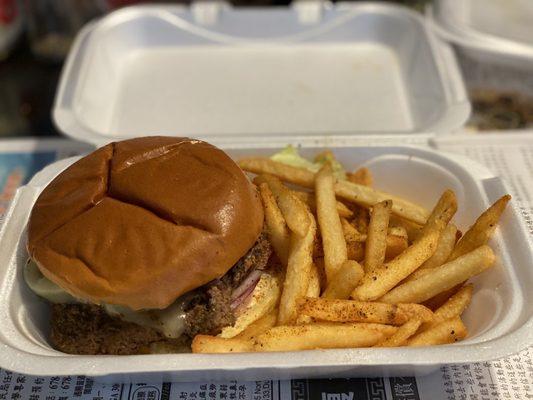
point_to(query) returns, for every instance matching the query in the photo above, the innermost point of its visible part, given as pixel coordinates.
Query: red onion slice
(246, 288)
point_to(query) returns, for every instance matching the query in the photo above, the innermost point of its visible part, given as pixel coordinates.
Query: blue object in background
(16, 169)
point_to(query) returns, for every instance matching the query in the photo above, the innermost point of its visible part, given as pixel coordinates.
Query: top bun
(140, 222)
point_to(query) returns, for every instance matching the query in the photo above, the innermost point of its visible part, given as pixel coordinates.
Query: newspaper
(510, 156)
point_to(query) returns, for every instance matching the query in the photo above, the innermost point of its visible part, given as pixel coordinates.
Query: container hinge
(206, 12)
(309, 11)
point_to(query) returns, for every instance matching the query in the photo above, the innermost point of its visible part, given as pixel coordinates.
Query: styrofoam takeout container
(220, 74)
(493, 38)
(499, 319)
(242, 79)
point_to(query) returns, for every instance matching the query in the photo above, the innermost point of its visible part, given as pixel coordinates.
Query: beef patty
(88, 329)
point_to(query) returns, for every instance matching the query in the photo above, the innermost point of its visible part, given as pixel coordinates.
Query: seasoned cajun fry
(399, 231)
(313, 290)
(442, 278)
(480, 232)
(360, 218)
(277, 230)
(263, 300)
(448, 331)
(293, 209)
(261, 325)
(360, 311)
(322, 336)
(362, 176)
(403, 333)
(413, 229)
(287, 173)
(215, 344)
(297, 274)
(319, 264)
(376, 241)
(367, 197)
(441, 255)
(356, 251)
(444, 248)
(382, 279)
(352, 192)
(395, 246)
(335, 251)
(309, 199)
(344, 281)
(454, 307)
(351, 234)
(437, 301)
(442, 213)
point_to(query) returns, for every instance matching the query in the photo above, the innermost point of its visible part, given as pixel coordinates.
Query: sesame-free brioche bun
(140, 222)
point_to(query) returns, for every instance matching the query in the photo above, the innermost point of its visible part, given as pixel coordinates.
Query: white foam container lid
(218, 73)
(494, 31)
(499, 319)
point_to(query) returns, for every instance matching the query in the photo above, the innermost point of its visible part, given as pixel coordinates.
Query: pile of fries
(362, 268)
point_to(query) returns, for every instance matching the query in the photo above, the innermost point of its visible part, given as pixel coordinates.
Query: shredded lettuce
(290, 156)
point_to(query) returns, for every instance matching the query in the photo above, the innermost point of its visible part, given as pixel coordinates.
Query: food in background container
(499, 110)
(494, 43)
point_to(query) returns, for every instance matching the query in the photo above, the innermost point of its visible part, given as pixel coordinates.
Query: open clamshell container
(493, 38)
(352, 69)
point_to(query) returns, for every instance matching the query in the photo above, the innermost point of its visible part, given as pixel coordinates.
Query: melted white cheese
(169, 321)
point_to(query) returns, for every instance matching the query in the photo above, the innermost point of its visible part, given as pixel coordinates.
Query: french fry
(438, 300)
(335, 251)
(480, 232)
(336, 310)
(454, 307)
(399, 231)
(215, 344)
(366, 196)
(360, 219)
(403, 333)
(322, 336)
(413, 229)
(376, 241)
(319, 264)
(287, 173)
(356, 251)
(361, 176)
(352, 192)
(395, 246)
(351, 234)
(263, 300)
(297, 274)
(344, 281)
(309, 199)
(442, 278)
(442, 213)
(442, 253)
(313, 290)
(293, 209)
(396, 241)
(261, 325)
(444, 248)
(382, 279)
(449, 331)
(277, 230)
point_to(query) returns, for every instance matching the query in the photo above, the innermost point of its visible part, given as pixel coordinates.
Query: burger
(145, 243)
